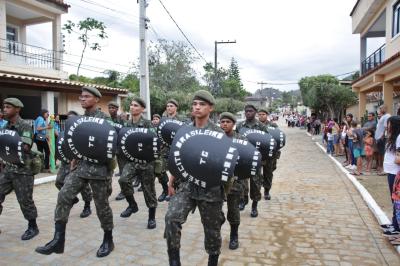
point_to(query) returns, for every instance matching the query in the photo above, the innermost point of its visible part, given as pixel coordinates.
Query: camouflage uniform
(256, 181)
(98, 176)
(187, 198)
(20, 177)
(269, 166)
(63, 172)
(120, 158)
(144, 171)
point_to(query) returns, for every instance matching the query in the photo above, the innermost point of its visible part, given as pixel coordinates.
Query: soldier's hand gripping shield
(139, 144)
(90, 138)
(263, 141)
(11, 147)
(167, 129)
(249, 161)
(204, 157)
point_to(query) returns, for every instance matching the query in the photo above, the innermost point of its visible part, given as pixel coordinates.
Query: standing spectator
(40, 131)
(330, 137)
(371, 122)
(57, 126)
(336, 136)
(348, 141)
(358, 147)
(391, 165)
(369, 149)
(380, 139)
(317, 126)
(3, 122)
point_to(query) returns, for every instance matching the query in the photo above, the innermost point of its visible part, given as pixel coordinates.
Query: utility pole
(144, 62)
(262, 83)
(216, 60)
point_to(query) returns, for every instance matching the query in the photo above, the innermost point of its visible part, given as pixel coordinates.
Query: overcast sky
(277, 41)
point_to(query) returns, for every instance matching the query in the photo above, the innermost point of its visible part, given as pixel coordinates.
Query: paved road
(315, 217)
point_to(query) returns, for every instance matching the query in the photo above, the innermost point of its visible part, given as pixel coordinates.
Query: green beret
(263, 111)
(139, 101)
(92, 90)
(228, 115)
(174, 102)
(157, 115)
(14, 102)
(250, 106)
(204, 96)
(112, 103)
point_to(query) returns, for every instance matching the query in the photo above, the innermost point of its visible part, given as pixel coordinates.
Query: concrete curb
(380, 216)
(45, 180)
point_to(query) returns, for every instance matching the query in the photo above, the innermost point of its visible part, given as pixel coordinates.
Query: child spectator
(358, 147)
(369, 149)
(329, 137)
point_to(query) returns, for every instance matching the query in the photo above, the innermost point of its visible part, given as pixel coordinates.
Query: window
(396, 19)
(12, 34)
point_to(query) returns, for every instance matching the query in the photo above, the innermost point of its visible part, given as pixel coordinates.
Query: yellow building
(380, 71)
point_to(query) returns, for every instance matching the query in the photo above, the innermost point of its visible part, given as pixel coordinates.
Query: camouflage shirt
(25, 131)
(255, 124)
(88, 170)
(118, 120)
(214, 194)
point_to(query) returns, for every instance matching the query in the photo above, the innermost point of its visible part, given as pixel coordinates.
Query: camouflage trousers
(23, 187)
(63, 172)
(74, 184)
(121, 162)
(255, 187)
(147, 180)
(233, 215)
(211, 215)
(268, 168)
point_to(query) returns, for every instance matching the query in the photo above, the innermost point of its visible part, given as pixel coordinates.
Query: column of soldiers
(94, 180)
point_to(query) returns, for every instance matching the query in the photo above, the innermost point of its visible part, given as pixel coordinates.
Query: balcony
(17, 53)
(373, 60)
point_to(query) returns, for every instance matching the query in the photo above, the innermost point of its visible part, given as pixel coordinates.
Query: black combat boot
(164, 193)
(140, 189)
(267, 196)
(120, 196)
(254, 211)
(213, 260)
(151, 223)
(57, 244)
(86, 210)
(32, 230)
(241, 205)
(132, 208)
(136, 183)
(107, 246)
(234, 241)
(174, 258)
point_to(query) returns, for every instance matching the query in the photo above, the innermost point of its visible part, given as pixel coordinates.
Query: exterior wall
(392, 44)
(359, 14)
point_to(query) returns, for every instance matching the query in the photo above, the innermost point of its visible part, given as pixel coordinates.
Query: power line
(184, 35)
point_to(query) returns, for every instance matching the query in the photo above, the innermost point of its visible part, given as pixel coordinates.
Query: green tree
(85, 29)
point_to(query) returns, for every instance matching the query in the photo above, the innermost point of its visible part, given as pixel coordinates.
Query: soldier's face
(136, 108)
(262, 117)
(227, 125)
(155, 121)
(112, 110)
(250, 113)
(9, 110)
(201, 109)
(171, 109)
(88, 100)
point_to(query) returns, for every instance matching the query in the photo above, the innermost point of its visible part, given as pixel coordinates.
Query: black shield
(204, 157)
(167, 129)
(63, 153)
(263, 141)
(249, 161)
(279, 136)
(139, 144)
(11, 148)
(90, 138)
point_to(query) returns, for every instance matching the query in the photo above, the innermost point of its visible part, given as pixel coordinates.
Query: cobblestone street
(315, 217)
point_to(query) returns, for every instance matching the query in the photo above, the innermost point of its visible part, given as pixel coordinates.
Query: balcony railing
(34, 56)
(373, 60)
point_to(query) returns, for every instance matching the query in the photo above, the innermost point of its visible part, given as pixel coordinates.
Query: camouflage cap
(174, 102)
(92, 90)
(263, 111)
(250, 106)
(140, 101)
(228, 115)
(157, 115)
(113, 103)
(204, 96)
(14, 102)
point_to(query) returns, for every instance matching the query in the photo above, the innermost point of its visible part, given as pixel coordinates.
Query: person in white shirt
(380, 135)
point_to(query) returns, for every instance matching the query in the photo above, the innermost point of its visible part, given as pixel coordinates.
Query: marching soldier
(255, 182)
(227, 121)
(269, 166)
(98, 176)
(156, 120)
(20, 177)
(190, 196)
(171, 112)
(86, 192)
(144, 171)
